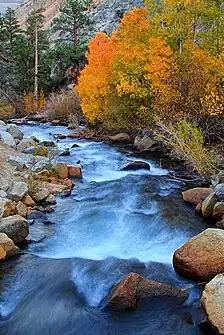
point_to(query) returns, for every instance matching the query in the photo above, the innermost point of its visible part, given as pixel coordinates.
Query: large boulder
(213, 302)
(208, 205)
(196, 195)
(218, 211)
(120, 138)
(7, 245)
(26, 143)
(135, 165)
(219, 191)
(6, 207)
(74, 171)
(125, 295)
(16, 161)
(7, 139)
(41, 195)
(202, 257)
(43, 164)
(18, 191)
(16, 133)
(15, 227)
(144, 143)
(61, 170)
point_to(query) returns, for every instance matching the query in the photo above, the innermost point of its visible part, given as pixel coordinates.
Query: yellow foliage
(28, 100)
(6, 110)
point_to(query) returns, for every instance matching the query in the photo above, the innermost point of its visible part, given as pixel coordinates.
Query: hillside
(105, 13)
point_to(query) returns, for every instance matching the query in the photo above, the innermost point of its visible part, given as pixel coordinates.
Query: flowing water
(114, 223)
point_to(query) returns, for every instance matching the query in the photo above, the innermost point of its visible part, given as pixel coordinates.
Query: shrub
(187, 143)
(6, 110)
(41, 151)
(64, 106)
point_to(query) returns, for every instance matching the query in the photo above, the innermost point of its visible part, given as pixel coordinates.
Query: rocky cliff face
(106, 14)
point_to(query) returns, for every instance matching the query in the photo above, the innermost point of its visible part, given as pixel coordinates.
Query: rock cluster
(28, 186)
(209, 202)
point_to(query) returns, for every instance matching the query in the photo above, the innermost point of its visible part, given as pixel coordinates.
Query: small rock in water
(65, 153)
(125, 295)
(74, 171)
(75, 145)
(135, 165)
(59, 136)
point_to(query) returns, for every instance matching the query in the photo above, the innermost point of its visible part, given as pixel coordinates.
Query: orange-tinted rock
(74, 171)
(61, 170)
(2, 254)
(21, 209)
(68, 182)
(196, 195)
(125, 295)
(7, 245)
(28, 201)
(202, 257)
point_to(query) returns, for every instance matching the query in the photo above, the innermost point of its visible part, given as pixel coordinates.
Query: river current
(115, 222)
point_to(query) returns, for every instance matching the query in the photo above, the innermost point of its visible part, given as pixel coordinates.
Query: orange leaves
(131, 70)
(95, 79)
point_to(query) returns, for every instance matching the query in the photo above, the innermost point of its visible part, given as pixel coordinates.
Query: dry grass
(64, 106)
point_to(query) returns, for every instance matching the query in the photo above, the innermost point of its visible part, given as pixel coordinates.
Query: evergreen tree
(70, 47)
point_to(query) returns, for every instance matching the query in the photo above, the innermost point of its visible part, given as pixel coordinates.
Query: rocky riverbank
(30, 183)
(30, 179)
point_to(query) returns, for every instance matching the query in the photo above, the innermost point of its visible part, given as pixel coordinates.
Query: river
(115, 222)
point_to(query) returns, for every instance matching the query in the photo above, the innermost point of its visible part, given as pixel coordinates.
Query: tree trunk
(35, 102)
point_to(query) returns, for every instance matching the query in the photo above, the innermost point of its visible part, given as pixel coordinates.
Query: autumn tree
(126, 74)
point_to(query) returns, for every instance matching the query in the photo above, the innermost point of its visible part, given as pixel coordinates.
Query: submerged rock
(7, 245)
(135, 165)
(213, 302)
(202, 257)
(196, 195)
(15, 227)
(120, 138)
(125, 295)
